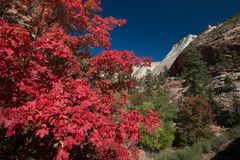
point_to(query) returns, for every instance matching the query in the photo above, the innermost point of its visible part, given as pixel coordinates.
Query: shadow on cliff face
(231, 152)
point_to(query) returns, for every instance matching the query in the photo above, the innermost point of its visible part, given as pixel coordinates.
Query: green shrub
(235, 132)
(228, 118)
(167, 156)
(160, 139)
(195, 151)
(166, 109)
(148, 84)
(204, 145)
(228, 81)
(144, 107)
(188, 153)
(217, 142)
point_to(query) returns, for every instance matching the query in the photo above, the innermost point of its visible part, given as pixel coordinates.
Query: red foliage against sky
(44, 90)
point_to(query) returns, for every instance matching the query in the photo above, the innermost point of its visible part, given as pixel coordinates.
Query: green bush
(162, 104)
(143, 108)
(160, 139)
(235, 132)
(195, 151)
(228, 118)
(148, 84)
(188, 153)
(204, 146)
(217, 142)
(167, 156)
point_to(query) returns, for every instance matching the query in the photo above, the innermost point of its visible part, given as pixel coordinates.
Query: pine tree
(196, 73)
(163, 105)
(148, 84)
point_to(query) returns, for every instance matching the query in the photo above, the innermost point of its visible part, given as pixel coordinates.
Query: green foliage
(189, 153)
(205, 145)
(229, 86)
(167, 156)
(225, 57)
(162, 77)
(144, 107)
(236, 106)
(195, 151)
(235, 132)
(166, 109)
(217, 142)
(195, 73)
(220, 60)
(236, 57)
(160, 139)
(236, 111)
(148, 84)
(228, 81)
(225, 117)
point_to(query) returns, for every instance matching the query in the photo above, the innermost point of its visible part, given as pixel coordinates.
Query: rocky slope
(224, 34)
(176, 50)
(221, 39)
(158, 67)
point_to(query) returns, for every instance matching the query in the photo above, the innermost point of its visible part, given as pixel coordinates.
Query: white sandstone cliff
(158, 67)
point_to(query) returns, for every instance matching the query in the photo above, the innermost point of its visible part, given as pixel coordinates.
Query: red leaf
(42, 132)
(62, 155)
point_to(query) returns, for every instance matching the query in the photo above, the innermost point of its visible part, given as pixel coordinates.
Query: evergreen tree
(196, 73)
(148, 84)
(166, 109)
(220, 59)
(162, 77)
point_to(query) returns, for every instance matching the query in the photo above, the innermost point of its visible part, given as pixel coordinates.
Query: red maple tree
(45, 91)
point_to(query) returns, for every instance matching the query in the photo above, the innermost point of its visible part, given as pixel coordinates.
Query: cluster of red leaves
(39, 94)
(92, 28)
(115, 66)
(21, 66)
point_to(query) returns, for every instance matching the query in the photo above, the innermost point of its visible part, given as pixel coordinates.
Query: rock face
(224, 34)
(17, 12)
(211, 43)
(140, 72)
(226, 98)
(177, 50)
(175, 88)
(158, 67)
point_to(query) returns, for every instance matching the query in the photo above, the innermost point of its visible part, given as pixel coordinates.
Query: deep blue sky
(155, 25)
